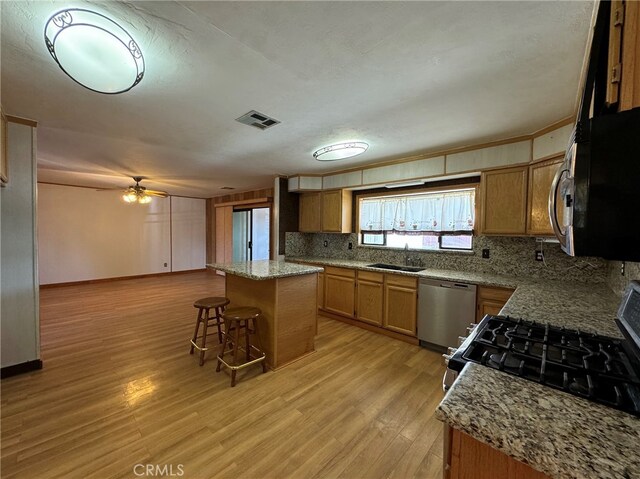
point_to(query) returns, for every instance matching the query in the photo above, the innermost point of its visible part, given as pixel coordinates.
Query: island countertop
(264, 269)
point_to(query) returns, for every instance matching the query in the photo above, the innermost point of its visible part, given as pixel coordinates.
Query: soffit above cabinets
(552, 143)
(495, 156)
(457, 164)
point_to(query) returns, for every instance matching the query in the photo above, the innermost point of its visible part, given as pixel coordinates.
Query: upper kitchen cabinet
(336, 211)
(504, 201)
(310, 220)
(624, 55)
(540, 178)
(327, 211)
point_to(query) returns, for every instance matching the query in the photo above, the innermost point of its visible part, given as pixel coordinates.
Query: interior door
(251, 234)
(260, 230)
(241, 235)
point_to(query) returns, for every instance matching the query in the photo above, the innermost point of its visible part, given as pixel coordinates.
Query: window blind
(440, 212)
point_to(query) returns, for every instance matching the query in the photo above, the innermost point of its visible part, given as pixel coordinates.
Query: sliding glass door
(251, 234)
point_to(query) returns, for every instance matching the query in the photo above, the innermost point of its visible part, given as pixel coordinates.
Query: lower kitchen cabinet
(370, 297)
(400, 303)
(339, 291)
(468, 458)
(321, 290)
(491, 300)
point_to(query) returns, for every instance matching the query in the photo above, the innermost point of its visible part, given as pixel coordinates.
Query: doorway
(251, 234)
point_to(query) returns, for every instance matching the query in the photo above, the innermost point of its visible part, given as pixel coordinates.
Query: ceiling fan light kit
(139, 194)
(340, 151)
(94, 51)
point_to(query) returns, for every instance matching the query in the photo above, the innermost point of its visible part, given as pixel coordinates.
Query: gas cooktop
(598, 368)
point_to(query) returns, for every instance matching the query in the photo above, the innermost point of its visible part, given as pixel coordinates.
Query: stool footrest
(245, 364)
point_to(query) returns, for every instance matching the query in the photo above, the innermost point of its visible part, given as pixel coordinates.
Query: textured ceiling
(407, 77)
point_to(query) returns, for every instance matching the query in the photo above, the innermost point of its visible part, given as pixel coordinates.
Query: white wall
(19, 311)
(86, 234)
(188, 233)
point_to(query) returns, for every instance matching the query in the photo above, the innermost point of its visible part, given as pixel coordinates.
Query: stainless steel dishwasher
(445, 310)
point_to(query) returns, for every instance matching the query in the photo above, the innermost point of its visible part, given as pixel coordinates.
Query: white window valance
(441, 212)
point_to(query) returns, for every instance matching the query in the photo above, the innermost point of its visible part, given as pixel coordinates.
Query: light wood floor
(119, 388)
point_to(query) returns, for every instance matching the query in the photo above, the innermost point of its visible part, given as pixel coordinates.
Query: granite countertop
(264, 269)
(585, 306)
(557, 433)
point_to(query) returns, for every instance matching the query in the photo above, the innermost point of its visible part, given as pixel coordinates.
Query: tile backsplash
(616, 281)
(508, 256)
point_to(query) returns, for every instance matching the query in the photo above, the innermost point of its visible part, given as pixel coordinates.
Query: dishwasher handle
(448, 284)
(454, 286)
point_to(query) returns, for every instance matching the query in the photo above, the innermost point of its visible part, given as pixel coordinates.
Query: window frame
(417, 191)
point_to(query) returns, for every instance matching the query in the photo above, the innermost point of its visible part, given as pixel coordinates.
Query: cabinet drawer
(347, 273)
(371, 276)
(496, 294)
(400, 280)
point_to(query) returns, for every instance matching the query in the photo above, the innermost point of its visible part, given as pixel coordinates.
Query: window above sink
(428, 220)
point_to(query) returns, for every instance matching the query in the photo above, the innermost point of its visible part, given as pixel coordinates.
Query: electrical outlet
(350, 245)
(622, 265)
(539, 256)
(485, 253)
(165, 265)
(325, 243)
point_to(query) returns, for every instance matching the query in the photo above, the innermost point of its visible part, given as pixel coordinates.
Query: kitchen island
(286, 294)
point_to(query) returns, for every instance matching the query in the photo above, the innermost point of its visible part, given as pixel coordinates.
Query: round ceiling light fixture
(94, 51)
(340, 151)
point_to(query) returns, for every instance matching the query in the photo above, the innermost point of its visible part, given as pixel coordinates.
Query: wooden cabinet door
(321, 290)
(488, 307)
(491, 300)
(630, 81)
(309, 218)
(504, 201)
(472, 459)
(339, 294)
(540, 179)
(336, 211)
(369, 300)
(400, 304)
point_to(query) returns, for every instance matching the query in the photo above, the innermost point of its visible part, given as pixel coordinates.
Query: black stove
(599, 368)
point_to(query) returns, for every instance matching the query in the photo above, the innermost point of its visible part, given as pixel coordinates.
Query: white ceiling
(407, 77)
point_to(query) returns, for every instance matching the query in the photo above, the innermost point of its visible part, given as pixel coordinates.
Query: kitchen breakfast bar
(286, 294)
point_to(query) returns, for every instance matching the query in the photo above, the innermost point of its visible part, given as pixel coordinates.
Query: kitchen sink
(395, 267)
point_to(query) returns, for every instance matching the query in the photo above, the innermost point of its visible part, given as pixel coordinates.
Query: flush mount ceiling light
(340, 151)
(94, 51)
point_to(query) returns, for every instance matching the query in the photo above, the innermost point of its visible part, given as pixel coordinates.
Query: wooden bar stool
(204, 305)
(237, 320)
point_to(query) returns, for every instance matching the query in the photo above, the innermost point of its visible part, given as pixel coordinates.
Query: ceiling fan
(139, 194)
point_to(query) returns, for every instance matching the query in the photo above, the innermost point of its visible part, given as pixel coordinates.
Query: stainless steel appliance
(598, 181)
(445, 309)
(601, 369)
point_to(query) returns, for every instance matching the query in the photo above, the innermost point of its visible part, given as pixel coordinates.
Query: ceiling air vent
(257, 119)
